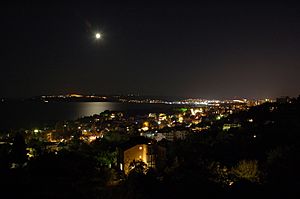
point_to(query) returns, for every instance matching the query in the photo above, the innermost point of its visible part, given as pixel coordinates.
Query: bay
(14, 115)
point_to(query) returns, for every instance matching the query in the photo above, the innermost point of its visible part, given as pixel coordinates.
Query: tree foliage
(247, 170)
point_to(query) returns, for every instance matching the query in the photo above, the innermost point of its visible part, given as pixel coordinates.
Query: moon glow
(98, 35)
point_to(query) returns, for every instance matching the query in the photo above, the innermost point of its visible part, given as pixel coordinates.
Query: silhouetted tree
(4, 157)
(18, 153)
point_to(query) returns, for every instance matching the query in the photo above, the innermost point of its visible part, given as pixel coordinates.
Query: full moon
(98, 35)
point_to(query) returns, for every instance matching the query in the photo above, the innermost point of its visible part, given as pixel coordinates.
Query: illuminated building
(226, 127)
(140, 149)
(175, 135)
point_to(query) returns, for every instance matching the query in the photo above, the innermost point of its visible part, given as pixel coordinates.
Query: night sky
(215, 50)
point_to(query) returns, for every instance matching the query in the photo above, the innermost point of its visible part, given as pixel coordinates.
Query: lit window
(140, 157)
(121, 167)
(140, 148)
